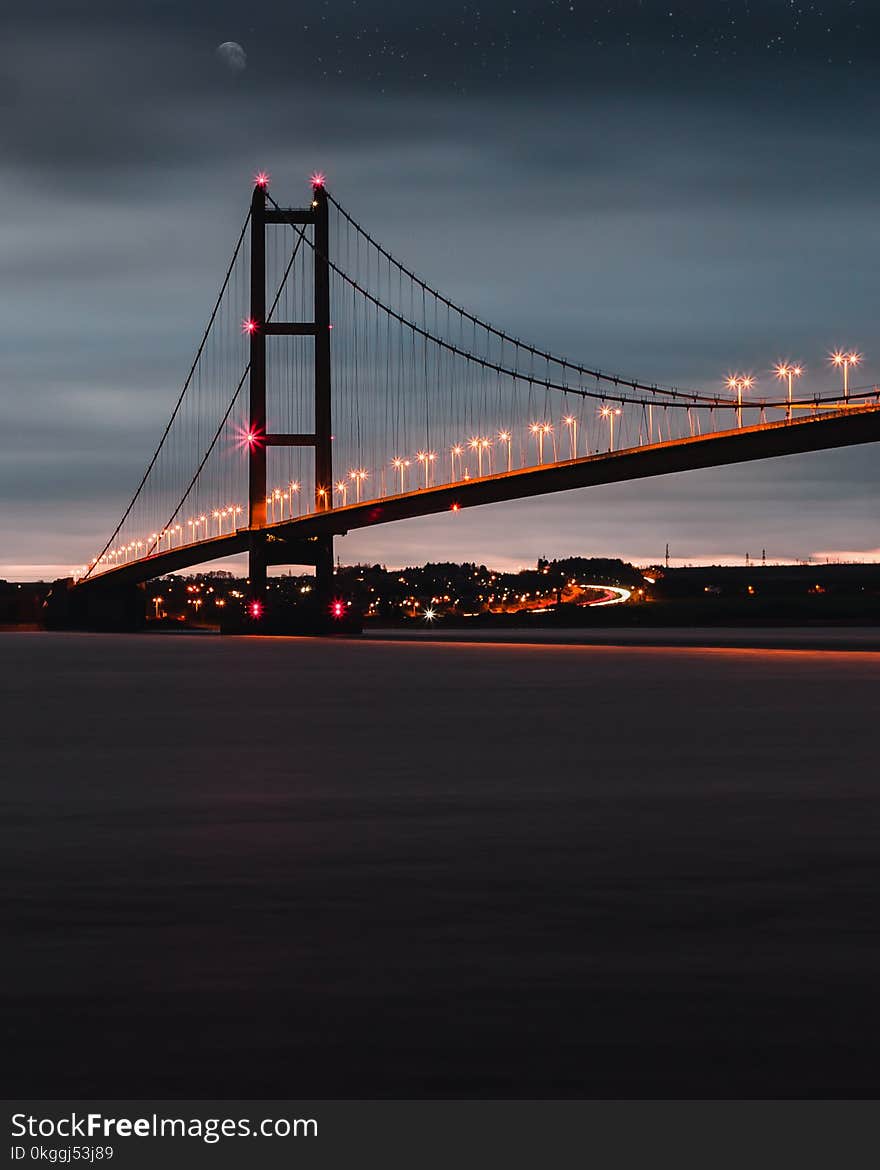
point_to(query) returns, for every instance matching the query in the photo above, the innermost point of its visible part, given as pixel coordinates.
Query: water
(280, 868)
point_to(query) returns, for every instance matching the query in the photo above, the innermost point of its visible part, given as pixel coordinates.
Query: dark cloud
(664, 195)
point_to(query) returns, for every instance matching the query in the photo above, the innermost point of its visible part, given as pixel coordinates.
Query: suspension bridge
(335, 389)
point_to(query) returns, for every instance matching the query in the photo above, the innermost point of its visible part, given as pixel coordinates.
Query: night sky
(668, 190)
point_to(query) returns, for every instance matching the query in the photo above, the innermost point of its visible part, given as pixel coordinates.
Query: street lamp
(295, 487)
(505, 437)
(844, 361)
(610, 412)
(740, 382)
(474, 445)
(342, 488)
(455, 452)
(400, 465)
(571, 422)
(785, 372)
(427, 458)
(358, 475)
(539, 430)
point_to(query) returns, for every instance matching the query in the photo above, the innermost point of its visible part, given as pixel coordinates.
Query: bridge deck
(288, 541)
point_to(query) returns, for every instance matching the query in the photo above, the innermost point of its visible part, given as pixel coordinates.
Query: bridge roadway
(289, 542)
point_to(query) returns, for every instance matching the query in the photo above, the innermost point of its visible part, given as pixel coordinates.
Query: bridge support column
(323, 408)
(257, 404)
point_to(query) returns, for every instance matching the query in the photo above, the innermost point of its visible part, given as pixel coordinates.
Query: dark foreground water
(280, 868)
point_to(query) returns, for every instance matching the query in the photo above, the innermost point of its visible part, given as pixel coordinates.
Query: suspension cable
(181, 396)
(233, 400)
(581, 371)
(689, 399)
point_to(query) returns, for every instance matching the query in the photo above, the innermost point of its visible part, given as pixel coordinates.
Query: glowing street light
(610, 412)
(785, 372)
(540, 430)
(218, 516)
(740, 382)
(400, 465)
(295, 488)
(455, 452)
(571, 422)
(342, 489)
(505, 437)
(427, 458)
(844, 361)
(358, 475)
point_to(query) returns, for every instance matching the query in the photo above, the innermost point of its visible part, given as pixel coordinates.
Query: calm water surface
(281, 868)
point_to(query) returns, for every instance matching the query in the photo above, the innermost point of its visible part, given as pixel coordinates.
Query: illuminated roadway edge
(288, 542)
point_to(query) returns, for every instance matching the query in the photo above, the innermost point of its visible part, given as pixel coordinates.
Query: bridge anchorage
(427, 408)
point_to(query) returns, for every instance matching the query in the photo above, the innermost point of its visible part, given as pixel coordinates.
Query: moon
(232, 56)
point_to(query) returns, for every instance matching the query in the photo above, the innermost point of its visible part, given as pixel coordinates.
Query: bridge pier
(324, 572)
(257, 569)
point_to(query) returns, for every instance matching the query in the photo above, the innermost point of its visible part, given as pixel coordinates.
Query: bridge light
(610, 412)
(571, 422)
(844, 361)
(427, 458)
(785, 372)
(261, 179)
(739, 382)
(337, 609)
(505, 437)
(358, 475)
(255, 610)
(249, 326)
(540, 430)
(318, 180)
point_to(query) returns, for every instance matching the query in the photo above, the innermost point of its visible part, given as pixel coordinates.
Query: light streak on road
(620, 595)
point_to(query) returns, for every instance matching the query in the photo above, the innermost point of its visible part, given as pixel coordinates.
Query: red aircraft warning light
(255, 610)
(261, 179)
(249, 325)
(318, 179)
(337, 609)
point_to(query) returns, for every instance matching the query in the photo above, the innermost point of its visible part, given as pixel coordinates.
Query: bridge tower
(260, 437)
